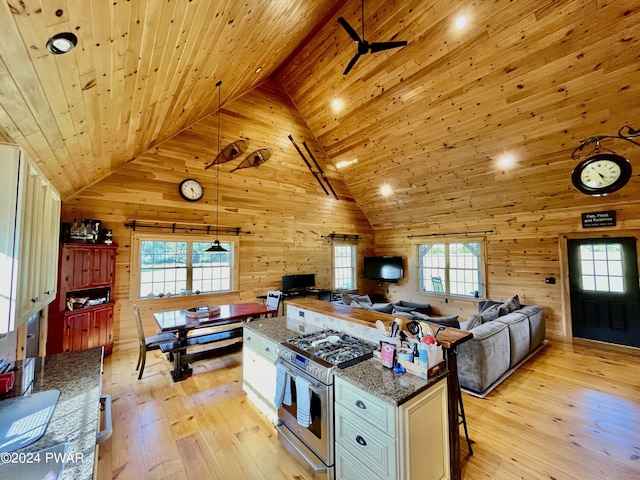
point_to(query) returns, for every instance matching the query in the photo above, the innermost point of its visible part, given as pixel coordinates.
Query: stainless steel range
(305, 420)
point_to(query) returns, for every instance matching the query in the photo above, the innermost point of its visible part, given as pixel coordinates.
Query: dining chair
(148, 343)
(273, 300)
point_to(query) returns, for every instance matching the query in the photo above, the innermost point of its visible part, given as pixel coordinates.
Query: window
(450, 269)
(344, 267)
(180, 266)
(601, 266)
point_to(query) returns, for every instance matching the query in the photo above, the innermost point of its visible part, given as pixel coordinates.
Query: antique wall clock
(191, 190)
(601, 174)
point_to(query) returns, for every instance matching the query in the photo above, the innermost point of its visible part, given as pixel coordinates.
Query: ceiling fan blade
(352, 33)
(380, 46)
(351, 63)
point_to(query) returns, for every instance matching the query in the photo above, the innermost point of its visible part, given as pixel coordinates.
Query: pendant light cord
(218, 170)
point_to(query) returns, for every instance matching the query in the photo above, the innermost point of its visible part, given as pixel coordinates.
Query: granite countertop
(78, 377)
(385, 384)
(274, 328)
(368, 375)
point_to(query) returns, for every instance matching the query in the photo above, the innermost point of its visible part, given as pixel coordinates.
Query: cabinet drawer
(377, 413)
(268, 349)
(365, 442)
(349, 468)
(250, 339)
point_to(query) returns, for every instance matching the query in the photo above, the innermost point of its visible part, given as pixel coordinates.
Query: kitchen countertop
(78, 377)
(368, 375)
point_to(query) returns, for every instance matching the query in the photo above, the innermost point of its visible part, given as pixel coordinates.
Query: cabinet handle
(361, 440)
(360, 404)
(48, 292)
(35, 299)
(267, 349)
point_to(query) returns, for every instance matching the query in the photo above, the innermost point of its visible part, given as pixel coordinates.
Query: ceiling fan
(364, 46)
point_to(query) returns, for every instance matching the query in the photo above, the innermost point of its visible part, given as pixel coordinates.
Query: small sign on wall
(599, 219)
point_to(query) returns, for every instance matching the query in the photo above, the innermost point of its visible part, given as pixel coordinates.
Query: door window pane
(602, 267)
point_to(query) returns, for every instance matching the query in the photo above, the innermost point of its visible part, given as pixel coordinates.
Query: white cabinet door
(51, 238)
(29, 224)
(9, 247)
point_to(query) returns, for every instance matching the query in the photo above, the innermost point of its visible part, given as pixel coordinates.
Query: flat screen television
(298, 282)
(383, 269)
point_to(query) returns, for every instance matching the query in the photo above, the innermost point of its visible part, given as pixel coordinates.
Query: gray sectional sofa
(504, 334)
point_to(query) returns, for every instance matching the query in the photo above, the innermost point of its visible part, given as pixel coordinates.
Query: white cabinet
(30, 225)
(259, 371)
(377, 440)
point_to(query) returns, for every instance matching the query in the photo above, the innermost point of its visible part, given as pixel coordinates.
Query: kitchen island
(78, 377)
(400, 393)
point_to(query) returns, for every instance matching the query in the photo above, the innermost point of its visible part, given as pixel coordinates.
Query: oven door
(316, 440)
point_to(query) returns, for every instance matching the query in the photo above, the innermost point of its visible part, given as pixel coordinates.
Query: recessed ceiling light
(461, 22)
(337, 104)
(61, 43)
(258, 70)
(386, 190)
(506, 161)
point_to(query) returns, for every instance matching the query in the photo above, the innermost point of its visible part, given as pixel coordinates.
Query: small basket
(202, 312)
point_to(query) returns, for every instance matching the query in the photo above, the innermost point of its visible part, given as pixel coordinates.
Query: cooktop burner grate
(336, 348)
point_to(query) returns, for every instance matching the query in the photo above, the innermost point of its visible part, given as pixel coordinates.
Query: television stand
(320, 293)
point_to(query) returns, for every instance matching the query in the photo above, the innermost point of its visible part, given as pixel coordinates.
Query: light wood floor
(571, 412)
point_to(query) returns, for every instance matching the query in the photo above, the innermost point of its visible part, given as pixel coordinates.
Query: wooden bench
(177, 350)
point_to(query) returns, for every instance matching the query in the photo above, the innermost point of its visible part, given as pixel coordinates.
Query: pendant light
(216, 247)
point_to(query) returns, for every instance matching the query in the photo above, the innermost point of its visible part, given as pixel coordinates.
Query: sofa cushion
(413, 306)
(450, 321)
(382, 307)
(399, 308)
(400, 314)
(519, 335)
(484, 358)
(535, 314)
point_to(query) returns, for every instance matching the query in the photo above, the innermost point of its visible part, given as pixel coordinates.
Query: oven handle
(314, 388)
(316, 467)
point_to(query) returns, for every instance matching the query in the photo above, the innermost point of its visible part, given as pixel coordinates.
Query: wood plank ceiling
(431, 120)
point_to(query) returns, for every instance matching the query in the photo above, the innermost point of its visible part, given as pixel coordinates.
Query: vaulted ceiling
(432, 120)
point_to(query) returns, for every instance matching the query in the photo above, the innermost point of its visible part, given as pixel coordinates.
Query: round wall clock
(191, 190)
(601, 174)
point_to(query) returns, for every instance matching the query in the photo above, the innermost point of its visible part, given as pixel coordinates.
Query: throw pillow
(362, 299)
(382, 307)
(473, 322)
(366, 306)
(485, 304)
(511, 305)
(399, 308)
(415, 306)
(450, 321)
(491, 313)
(402, 314)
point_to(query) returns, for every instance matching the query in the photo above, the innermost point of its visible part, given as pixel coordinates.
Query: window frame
(482, 266)
(134, 265)
(354, 263)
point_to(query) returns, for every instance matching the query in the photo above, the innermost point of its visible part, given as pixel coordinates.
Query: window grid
(450, 269)
(344, 268)
(601, 267)
(169, 267)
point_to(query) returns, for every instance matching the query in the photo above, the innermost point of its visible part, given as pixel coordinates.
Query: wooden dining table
(230, 320)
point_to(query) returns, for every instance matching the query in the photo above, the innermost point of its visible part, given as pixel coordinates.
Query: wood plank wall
(521, 253)
(280, 203)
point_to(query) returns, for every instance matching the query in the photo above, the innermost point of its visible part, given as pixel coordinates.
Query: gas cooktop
(334, 348)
